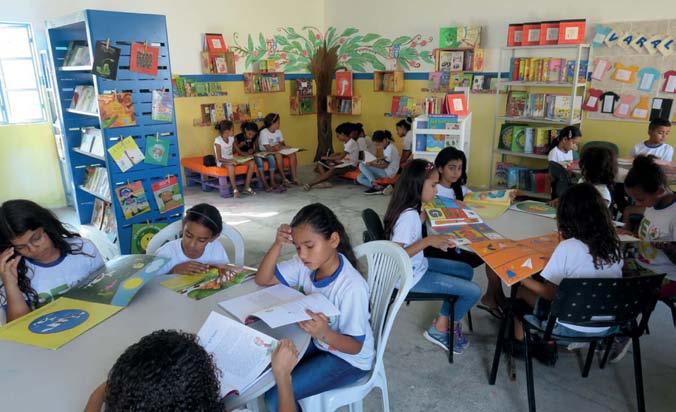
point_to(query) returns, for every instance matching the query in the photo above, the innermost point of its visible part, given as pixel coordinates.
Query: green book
(519, 139)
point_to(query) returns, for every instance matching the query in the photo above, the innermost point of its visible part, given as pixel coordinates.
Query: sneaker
(388, 190)
(619, 349)
(577, 345)
(373, 191)
(460, 339)
(441, 339)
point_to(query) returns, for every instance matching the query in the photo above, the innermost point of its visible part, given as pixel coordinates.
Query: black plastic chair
(671, 303)
(559, 179)
(593, 302)
(376, 231)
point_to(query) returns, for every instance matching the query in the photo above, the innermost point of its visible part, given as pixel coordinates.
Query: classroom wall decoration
(633, 74)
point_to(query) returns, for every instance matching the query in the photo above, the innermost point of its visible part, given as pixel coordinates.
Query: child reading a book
(561, 148)
(598, 166)
(656, 145)
(338, 163)
(271, 140)
(342, 349)
(364, 142)
(198, 248)
(40, 259)
(403, 225)
(247, 145)
(388, 166)
(169, 370)
(224, 148)
(404, 131)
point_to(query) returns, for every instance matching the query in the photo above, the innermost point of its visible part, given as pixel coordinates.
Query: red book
(143, 59)
(514, 35)
(457, 104)
(215, 43)
(395, 104)
(344, 84)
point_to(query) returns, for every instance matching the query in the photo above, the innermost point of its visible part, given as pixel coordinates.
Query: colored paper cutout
(600, 35)
(624, 106)
(608, 100)
(624, 74)
(612, 38)
(639, 42)
(669, 82)
(666, 48)
(601, 67)
(647, 77)
(592, 102)
(642, 109)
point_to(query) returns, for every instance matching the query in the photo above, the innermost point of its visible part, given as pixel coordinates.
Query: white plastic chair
(173, 231)
(388, 267)
(106, 248)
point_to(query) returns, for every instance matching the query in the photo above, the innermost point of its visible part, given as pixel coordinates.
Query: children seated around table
(225, 150)
(40, 259)
(342, 348)
(198, 248)
(404, 131)
(271, 140)
(338, 163)
(656, 145)
(170, 371)
(388, 166)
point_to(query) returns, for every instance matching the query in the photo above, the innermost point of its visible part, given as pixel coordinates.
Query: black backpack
(209, 160)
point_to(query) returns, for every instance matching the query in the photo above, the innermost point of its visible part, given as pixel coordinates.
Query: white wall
(186, 20)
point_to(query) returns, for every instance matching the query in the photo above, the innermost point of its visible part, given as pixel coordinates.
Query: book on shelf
(303, 87)
(443, 211)
(167, 194)
(97, 213)
(77, 54)
(202, 285)
(162, 106)
(91, 141)
(263, 82)
(542, 106)
(96, 181)
(132, 198)
(344, 83)
(84, 99)
(109, 225)
(277, 306)
(516, 103)
(518, 138)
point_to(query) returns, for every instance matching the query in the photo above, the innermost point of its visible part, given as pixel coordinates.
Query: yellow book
(490, 204)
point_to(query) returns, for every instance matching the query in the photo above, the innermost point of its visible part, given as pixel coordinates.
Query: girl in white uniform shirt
(271, 140)
(561, 148)
(225, 150)
(404, 131)
(40, 258)
(388, 166)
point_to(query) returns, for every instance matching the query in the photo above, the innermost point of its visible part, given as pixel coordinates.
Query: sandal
(280, 189)
(286, 182)
(324, 185)
(249, 191)
(268, 189)
(495, 311)
(307, 187)
(235, 194)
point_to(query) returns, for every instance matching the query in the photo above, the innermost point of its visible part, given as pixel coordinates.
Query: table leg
(506, 321)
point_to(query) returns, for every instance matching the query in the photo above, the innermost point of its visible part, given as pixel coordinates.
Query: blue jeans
(369, 175)
(271, 163)
(318, 371)
(452, 277)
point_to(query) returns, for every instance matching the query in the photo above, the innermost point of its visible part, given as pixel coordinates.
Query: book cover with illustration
(143, 59)
(116, 110)
(506, 135)
(490, 204)
(162, 106)
(126, 153)
(167, 194)
(466, 234)
(142, 233)
(344, 84)
(133, 199)
(443, 211)
(98, 297)
(203, 285)
(157, 151)
(535, 208)
(516, 103)
(106, 58)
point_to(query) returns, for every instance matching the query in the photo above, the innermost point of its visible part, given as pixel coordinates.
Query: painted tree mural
(321, 54)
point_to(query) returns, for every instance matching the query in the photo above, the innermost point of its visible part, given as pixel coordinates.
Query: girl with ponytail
(561, 148)
(342, 348)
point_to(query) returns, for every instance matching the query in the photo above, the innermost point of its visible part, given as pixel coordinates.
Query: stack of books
(521, 138)
(546, 70)
(542, 105)
(509, 176)
(77, 54)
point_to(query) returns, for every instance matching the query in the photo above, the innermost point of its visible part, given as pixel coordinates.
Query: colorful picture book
(97, 213)
(535, 208)
(143, 59)
(332, 164)
(116, 110)
(162, 109)
(491, 204)
(443, 211)
(167, 194)
(277, 306)
(106, 58)
(465, 234)
(142, 233)
(516, 103)
(126, 153)
(344, 84)
(515, 260)
(203, 285)
(132, 198)
(157, 151)
(101, 295)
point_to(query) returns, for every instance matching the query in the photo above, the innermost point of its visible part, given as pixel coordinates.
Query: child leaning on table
(342, 348)
(169, 371)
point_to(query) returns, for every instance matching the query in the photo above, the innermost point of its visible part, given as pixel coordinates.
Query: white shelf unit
(459, 133)
(578, 52)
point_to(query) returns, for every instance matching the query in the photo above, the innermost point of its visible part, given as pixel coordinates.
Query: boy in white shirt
(386, 167)
(658, 131)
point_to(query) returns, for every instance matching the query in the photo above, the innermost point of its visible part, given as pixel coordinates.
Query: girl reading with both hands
(271, 140)
(225, 150)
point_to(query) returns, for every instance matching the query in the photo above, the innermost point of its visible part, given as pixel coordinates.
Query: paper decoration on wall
(642, 109)
(157, 151)
(126, 153)
(652, 43)
(624, 74)
(647, 77)
(167, 194)
(132, 198)
(666, 48)
(669, 82)
(116, 110)
(601, 67)
(639, 41)
(106, 58)
(612, 38)
(624, 106)
(600, 35)
(660, 109)
(144, 59)
(592, 102)
(608, 100)
(625, 40)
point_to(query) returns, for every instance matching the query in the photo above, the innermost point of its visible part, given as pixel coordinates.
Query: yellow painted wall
(29, 167)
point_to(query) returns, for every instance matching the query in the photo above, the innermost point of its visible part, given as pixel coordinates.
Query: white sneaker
(388, 190)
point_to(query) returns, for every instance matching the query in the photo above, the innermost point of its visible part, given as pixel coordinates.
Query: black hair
(655, 123)
(646, 175)
(583, 214)
(567, 133)
(345, 128)
(19, 216)
(224, 125)
(270, 119)
(325, 222)
(407, 192)
(598, 165)
(207, 216)
(381, 135)
(446, 155)
(249, 127)
(405, 123)
(359, 128)
(164, 371)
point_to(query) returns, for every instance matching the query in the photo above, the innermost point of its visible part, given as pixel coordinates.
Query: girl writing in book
(404, 221)
(146, 376)
(404, 131)
(342, 348)
(225, 150)
(271, 140)
(388, 166)
(40, 259)
(247, 145)
(338, 163)
(198, 248)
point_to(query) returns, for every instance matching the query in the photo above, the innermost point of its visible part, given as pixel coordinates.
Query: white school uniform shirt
(392, 156)
(214, 254)
(603, 191)
(448, 192)
(658, 225)
(408, 141)
(663, 151)
(225, 148)
(571, 259)
(559, 156)
(408, 230)
(53, 280)
(348, 291)
(351, 148)
(366, 145)
(267, 137)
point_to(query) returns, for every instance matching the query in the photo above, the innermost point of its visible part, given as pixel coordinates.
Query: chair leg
(386, 399)
(469, 321)
(451, 332)
(590, 358)
(498, 348)
(530, 385)
(638, 374)
(357, 406)
(606, 354)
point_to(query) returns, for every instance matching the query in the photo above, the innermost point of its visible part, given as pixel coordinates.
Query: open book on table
(490, 204)
(277, 306)
(463, 235)
(535, 208)
(216, 279)
(443, 211)
(241, 353)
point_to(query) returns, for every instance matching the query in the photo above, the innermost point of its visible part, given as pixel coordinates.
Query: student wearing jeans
(376, 169)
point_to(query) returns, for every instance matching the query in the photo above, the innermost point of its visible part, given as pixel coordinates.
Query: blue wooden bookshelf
(121, 29)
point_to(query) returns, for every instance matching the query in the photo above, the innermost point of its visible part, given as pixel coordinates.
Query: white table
(520, 225)
(33, 379)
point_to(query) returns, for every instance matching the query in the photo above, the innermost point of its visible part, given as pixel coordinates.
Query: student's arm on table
(266, 270)
(284, 359)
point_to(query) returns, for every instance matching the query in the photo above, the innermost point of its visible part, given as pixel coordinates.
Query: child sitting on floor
(656, 145)
(341, 162)
(224, 148)
(388, 166)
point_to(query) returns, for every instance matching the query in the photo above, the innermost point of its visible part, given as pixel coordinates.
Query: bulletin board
(633, 72)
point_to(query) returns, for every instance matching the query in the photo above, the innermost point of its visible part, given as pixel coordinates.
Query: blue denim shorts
(270, 159)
